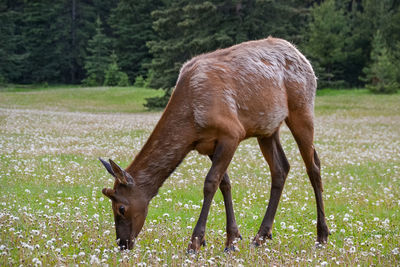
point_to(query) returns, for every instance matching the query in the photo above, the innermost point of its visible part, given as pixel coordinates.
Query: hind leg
(302, 127)
(279, 167)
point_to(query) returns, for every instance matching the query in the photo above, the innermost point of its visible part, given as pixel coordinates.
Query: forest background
(350, 43)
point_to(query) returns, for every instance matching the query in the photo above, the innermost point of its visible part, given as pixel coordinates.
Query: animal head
(129, 205)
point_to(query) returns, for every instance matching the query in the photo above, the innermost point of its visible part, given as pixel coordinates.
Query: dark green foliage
(381, 73)
(340, 34)
(139, 81)
(326, 46)
(98, 57)
(103, 9)
(380, 21)
(60, 41)
(396, 60)
(11, 52)
(46, 40)
(376, 15)
(132, 27)
(3, 81)
(184, 30)
(187, 28)
(39, 37)
(55, 35)
(113, 75)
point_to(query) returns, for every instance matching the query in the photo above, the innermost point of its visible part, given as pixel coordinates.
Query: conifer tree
(381, 72)
(326, 45)
(12, 53)
(188, 28)
(132, 27)
(98, 58)
(55, 35)
(44, 54)
(113, 75)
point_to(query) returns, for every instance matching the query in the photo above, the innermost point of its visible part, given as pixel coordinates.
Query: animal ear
(108, 166)
(120, 174)
(108, 192)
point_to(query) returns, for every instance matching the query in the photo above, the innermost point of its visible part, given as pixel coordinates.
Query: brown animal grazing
(220, 99)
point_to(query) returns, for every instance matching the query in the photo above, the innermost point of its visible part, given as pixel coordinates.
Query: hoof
(323, 237)
(194, 246)
(321, 241)
(230, 243)
(322, 233)
(231, 249)
(190, 251)
(259, 240)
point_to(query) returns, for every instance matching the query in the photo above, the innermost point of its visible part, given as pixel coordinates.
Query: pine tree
(82, 20)
(131, 22)
(396, 60)
(12, 53)
(113, 75)
(368, 17)
(326, 45)
(98, 58)
(381, 73)
(356, 44)
(55, 35)
(283, 19)
(188, 28)
(184, 30)
(103, 9)
(40, 38)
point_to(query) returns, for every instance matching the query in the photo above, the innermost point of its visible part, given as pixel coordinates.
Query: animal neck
(165, 149)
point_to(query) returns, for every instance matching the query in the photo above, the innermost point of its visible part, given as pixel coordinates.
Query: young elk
(220, 99)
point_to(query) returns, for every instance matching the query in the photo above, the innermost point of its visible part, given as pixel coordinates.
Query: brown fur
(220, 99)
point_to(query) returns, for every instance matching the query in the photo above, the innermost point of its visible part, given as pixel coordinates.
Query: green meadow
(52, 211)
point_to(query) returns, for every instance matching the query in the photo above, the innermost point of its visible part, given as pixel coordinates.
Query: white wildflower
(94, 260)
(106, 232)
(36, 262)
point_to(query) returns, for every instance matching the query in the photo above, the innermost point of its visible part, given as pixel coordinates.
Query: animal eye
(121, 210)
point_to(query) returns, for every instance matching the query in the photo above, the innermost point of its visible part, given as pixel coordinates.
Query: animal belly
(264, 123)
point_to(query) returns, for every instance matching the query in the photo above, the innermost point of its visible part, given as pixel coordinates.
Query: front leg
(221, 158)
(232, 231)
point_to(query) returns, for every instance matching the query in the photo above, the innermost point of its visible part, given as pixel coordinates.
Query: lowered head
(129, 205)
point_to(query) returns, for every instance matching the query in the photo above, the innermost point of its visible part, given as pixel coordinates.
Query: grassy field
(65, 98)
(52, 211)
